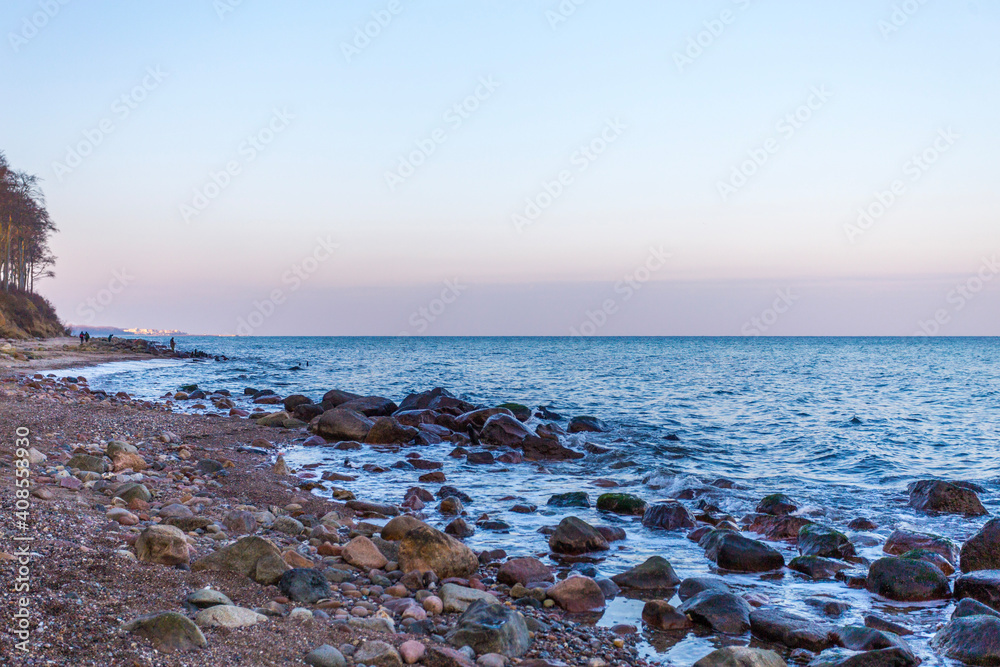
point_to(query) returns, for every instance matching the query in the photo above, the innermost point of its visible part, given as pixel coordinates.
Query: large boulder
(661, 615)
(935, 495)
(388, 431)
(524, 571)
(504, 430)
(168, 631)
(723, 612)
(586, 424)
(251, 556)
(339, 424)
(982, 550)
(669, 515)
(907, 580)
(426, 549)
(817, 567)
(970, 607)
(902, 541)
(842, 657)
(972, 640)
(377, 653)
(741, 656)
(777, 504)
(538, 448)
(478, 418)
(491, 628)
(784, 527)
(576, 536)
(361, 552)
(981, 585)
(303, 584)
(294, 401)
(336, 397)
(437, 398)
(825, 542)
(370, 406)
(790, 629)
(656, 574)
(577, 594)
(455, 598)
(622, 503)
(863, 638)
(164, 545)
(571, 499)
(694, 585)
(399, 526)
(732, 551)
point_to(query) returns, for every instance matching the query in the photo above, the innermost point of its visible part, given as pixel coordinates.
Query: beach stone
(365, 507)
(741, 656)
(971, 607)
(295, 400)
(204, 598)
(622, 503)
(119, 447)
(130, 491)
(443, 656)
(370, 406)
(480, 458)
(577, 594)
(491, 628)
(325, 656)
(523, 571)
(88, 463)
(336, 397)
(981, 585)
(935, 495)
(432, 604)
(655, 574)
(841, 657)
(611, 533)
(455, 598)
(982, 550)
(732, 551)
(209, 466)
(458, 527)
(667, 515)
(491, 660)
(362, 552)
(228, 616)
(901, 541)
(122, 516)
(817, 567)
(168, 631)
(239, 522)
(504, 430)
(863, 638)
(576, 536)
(175, 510)
(694, 585)
(302, 584)
(825, 542)
(884, 625)
(933, 558)
(661, 615)
(387, 431)
(251, 556)
(777, 504)
(126, 461)
(861, 523)
(163, 545)
(412, 651)
(792, 630)
(426, 549)
(451, 506)
(571, 499)
(377, 653)
(783, 527)
(586, 424)
(338, 425)
(973, 640)
(288, 525)
(723, 612)
(907, 580)
(399, 526)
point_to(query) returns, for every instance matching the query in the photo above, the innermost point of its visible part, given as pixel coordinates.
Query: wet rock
(863, 638)
(611, 533)
(784, 527)
(425, 549)
(295, 400)
(792, 630)
(455, 598)
(451, 506)
(668, 516)
(480, 458)
(907, 580)
(817, 567)
(433, 398)
(935, 495)
(365, 507)
(777, 504)
(228, 616)
(901, 540)
(503, 430)
(825, 542)
(306, 413)
(523, 571)
(537, 448)
(459, 528)
(973, 640)
(163, 545)
(304, 585)
(862, 524)
(981, 585)
(934, 559)
(387, 431)
(325, 656)
(982, 550)
(577, 594)
(576, 536)
(251, 556)
(970, 607)
(452, 492)
(723, 612)
(694, 585)
(741, 656)
(661, 615)
(168, 631)
(586, 424)
(840, 657)
(884, 625)
(732, 551)
(491, 628)
(520, 412)
(378, 654)
(622, 503)
(370, 406)
(572, 499)
(828, 606)
(656, 574)
(336, 397)
(338, 425)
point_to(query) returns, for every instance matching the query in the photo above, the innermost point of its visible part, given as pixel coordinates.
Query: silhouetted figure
(173, 345)
(81, 339)
(110, 336)
(86, 336)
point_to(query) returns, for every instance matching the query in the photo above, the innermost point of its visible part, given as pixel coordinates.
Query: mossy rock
(189, 387)
(622, 503)
(521, 412)
(572, 499)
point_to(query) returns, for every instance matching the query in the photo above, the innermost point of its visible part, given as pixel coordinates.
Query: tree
(25, 227)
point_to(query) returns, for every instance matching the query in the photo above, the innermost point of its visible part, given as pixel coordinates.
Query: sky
(583, 167)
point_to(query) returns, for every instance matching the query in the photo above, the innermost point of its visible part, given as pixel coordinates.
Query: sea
(841, 425)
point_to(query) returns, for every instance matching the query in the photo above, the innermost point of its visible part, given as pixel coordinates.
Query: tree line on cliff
(25, 227)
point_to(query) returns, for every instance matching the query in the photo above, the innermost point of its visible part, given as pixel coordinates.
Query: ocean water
(840, 424)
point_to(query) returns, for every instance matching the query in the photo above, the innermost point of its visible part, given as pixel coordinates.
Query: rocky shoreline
(169, 538)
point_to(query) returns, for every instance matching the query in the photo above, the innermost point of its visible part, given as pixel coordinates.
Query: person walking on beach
(173, 345)
(81, 339)
(86, 336)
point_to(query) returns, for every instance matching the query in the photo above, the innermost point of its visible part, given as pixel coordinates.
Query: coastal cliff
(28, 315)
